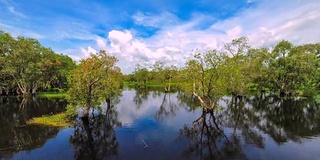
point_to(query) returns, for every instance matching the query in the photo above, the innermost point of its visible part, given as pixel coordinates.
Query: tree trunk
(34, 90)
(282, 90)
(169, 84)
(86, 109)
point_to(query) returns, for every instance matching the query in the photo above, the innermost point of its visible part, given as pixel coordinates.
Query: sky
(145, 31)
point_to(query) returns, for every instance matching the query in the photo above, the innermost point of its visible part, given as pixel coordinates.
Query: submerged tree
(93, 81)
(292, 67)
(237, 66)
(202, 77)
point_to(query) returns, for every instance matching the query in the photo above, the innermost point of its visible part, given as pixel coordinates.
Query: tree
(168, 73)
(291, 67)
(92, 81)
(23, 64)
(237, 66)
(259, 67)
(157, 69)
(141, 74)
(203, 79)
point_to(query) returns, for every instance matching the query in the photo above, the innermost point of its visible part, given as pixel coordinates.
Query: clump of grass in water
(52, 95)
(57, 120)
(64, 119)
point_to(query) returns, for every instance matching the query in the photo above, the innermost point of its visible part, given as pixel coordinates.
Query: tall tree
(91, 79)
(203, 79)
(236, 68)
(141, 74)
(291, 67)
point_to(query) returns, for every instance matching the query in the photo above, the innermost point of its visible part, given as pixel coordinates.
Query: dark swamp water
(153, 125)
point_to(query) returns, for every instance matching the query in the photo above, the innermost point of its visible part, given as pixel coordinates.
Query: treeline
(238, 69)
(27, 67)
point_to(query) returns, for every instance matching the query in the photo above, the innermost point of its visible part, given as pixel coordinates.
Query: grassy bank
(57, 120)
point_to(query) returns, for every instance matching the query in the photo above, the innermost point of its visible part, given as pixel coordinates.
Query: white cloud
(265, 23)
(87, 52)
(119, 37)
(101, 43)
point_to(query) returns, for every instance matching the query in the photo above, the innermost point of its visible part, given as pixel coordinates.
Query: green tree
(203, 79)
(141, 74)
(292, 68)
(169, 73)
(92, 80)
(237, 66)
(258, 67)
(23, 64)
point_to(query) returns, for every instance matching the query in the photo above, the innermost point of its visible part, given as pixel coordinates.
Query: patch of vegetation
(53, 94)
(64, 119)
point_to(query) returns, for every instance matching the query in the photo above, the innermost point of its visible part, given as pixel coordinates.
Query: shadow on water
(14, 112)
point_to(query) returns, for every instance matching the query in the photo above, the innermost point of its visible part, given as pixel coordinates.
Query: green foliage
(202, 77)
(30, 66)
(292, 68)
(95, 80)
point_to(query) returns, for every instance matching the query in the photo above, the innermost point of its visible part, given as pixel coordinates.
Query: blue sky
(145, 31)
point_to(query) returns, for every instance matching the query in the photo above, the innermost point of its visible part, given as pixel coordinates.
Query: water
(153, 125)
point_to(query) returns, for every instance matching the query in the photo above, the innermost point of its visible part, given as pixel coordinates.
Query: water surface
(144, 124)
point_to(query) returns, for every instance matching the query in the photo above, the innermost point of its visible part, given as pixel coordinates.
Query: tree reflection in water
(167, 108)
(15, 135)
(96, 138)
(208, 141)
(225, 134)
(141, 94)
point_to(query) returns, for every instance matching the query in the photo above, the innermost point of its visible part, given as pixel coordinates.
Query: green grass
(53, 94)
(57, 120)
(150, 84)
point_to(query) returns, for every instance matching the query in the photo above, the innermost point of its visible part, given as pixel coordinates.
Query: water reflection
(207, 140)
(95, 138)
(167, 108)
(14, 112)
(224, 134)
(173, 127)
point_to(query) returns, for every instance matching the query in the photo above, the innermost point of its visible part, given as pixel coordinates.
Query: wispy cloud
(16, 13)
(157, 21)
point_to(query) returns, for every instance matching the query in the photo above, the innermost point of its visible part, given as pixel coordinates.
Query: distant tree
(141, 74)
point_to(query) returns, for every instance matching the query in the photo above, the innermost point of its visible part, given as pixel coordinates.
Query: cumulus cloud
(265, 24)
(87, 52)
(101, 43)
